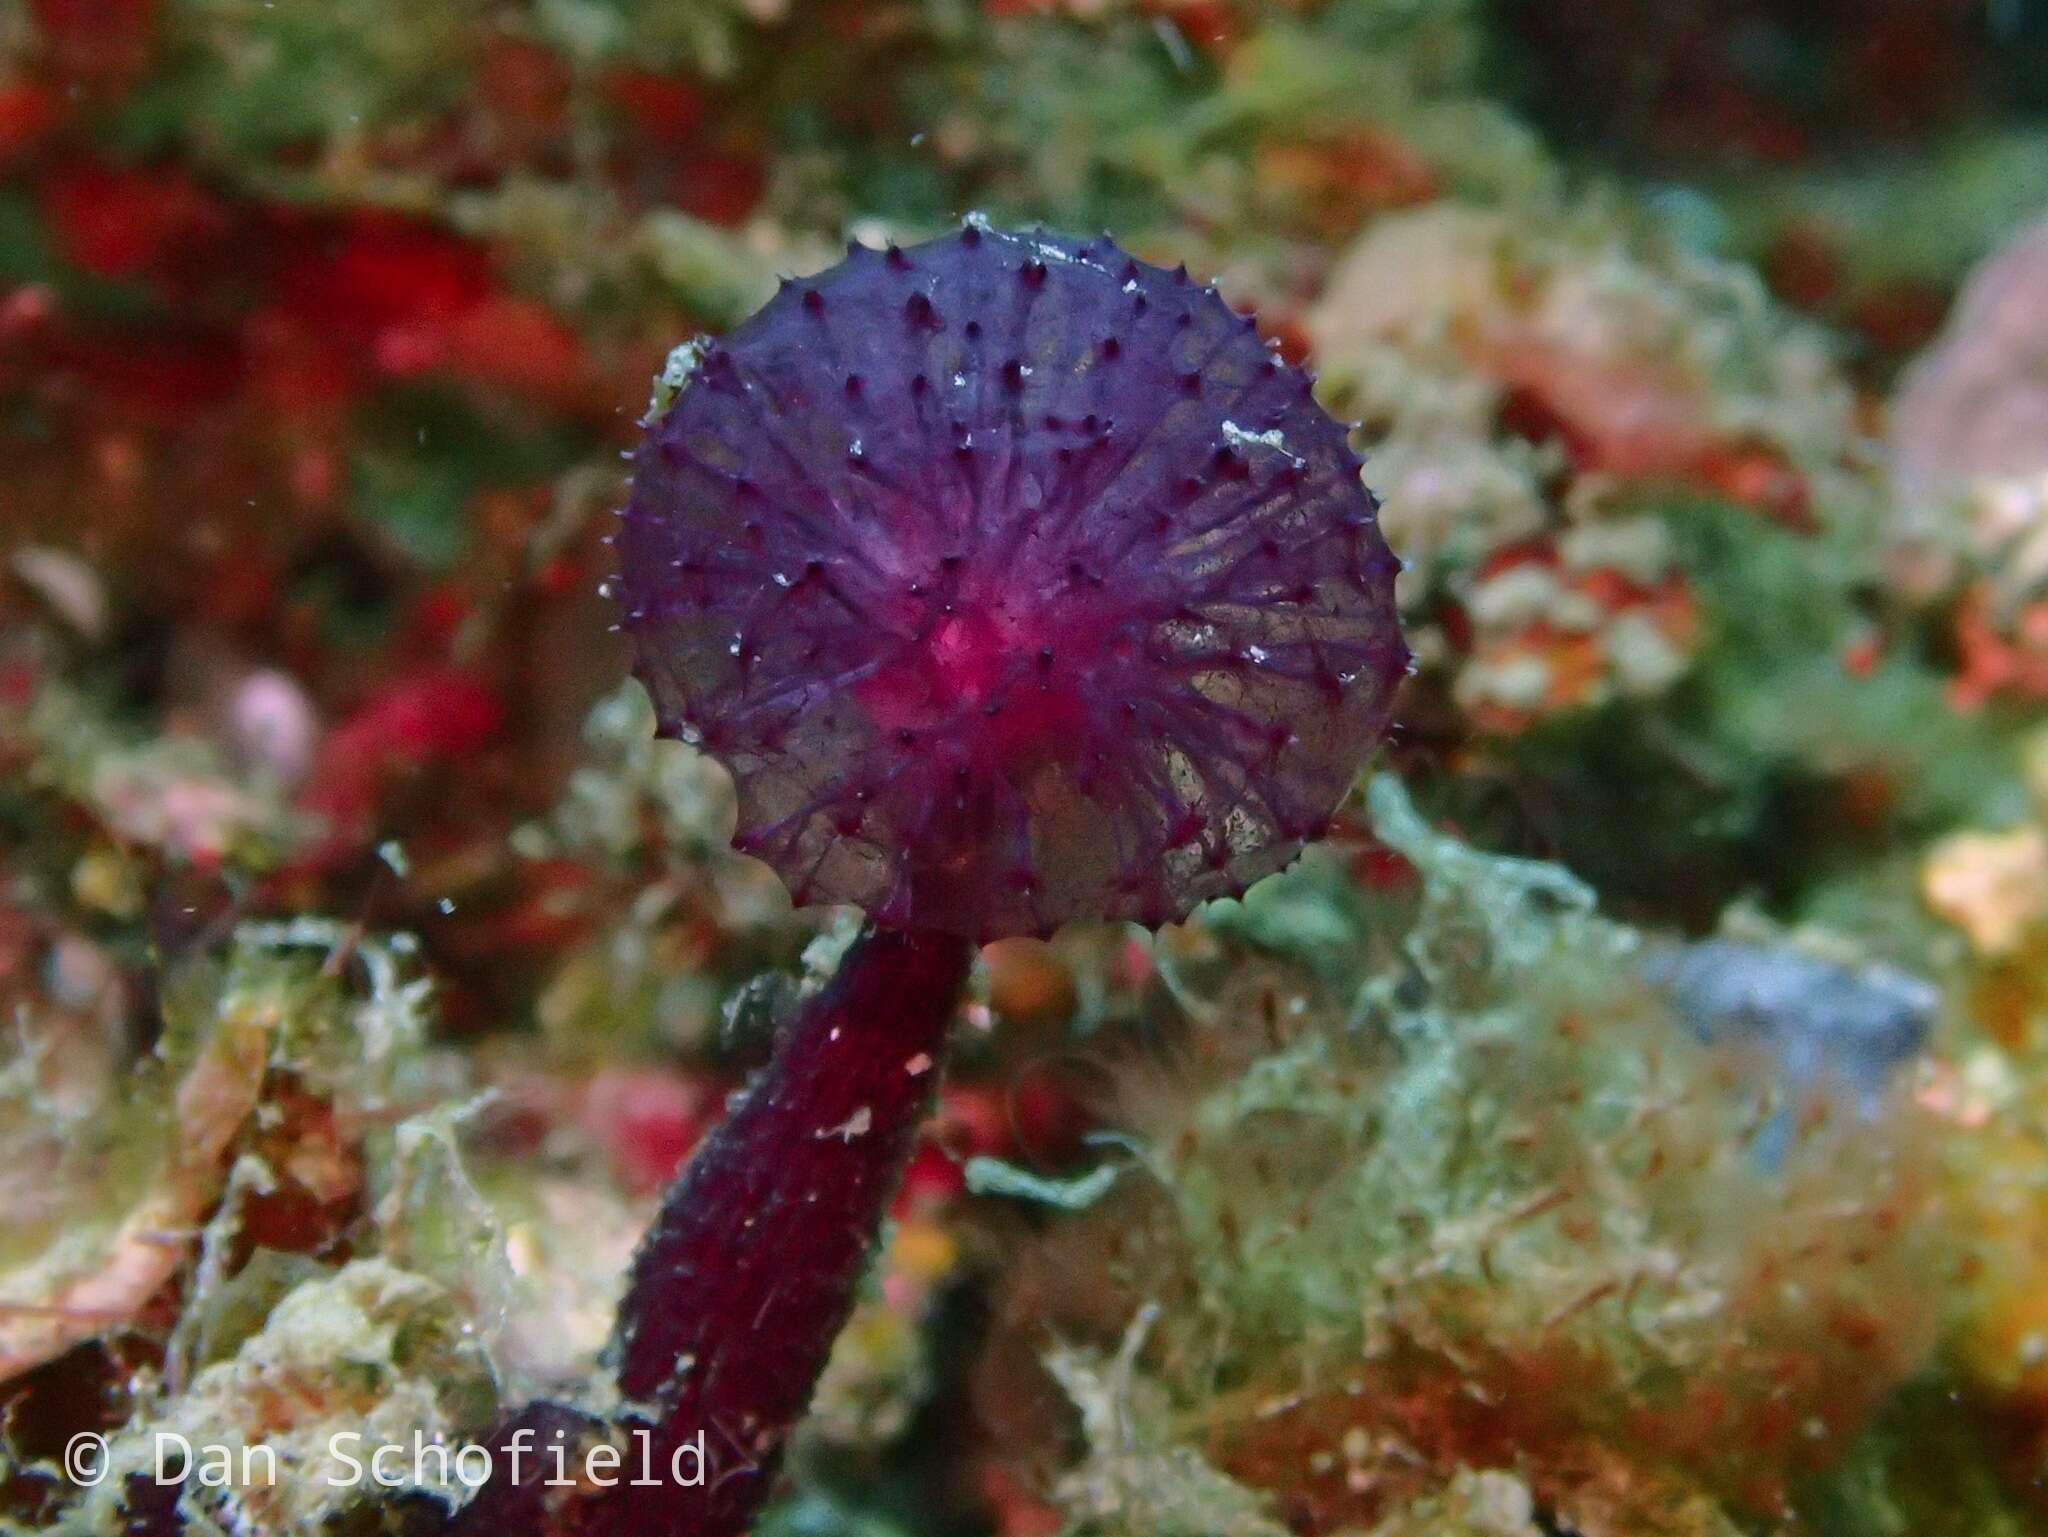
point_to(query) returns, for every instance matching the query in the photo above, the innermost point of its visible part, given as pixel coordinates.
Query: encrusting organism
(1014, 581)
(1520, 1190)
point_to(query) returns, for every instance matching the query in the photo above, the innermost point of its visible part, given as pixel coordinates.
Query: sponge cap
(1015, 581)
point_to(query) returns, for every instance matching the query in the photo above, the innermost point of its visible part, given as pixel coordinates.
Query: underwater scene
(1024, 768)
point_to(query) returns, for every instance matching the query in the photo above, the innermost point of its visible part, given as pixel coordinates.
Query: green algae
(1496, 1170)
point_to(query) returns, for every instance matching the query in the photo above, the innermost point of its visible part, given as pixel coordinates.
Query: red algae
(1015, 580)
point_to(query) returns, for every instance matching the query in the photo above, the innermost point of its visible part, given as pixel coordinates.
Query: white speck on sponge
(859, 1124)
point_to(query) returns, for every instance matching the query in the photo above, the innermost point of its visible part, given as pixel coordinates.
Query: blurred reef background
(1631, 1122)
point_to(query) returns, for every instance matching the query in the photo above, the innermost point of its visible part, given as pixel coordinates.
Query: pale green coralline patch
(1503, 919)
(1461, 1130)
(629, 774)
(280, 1351)
(350, 1010)
(108, 1196)
(715, 269)
(368, 1351)
(577, 243)
(96, 1193)
(432, 1219)
(655, 816)
(1139, 1479)
(569, 1238)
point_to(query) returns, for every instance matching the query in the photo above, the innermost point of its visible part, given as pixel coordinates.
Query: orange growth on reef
(1336, 177)
(1553, 1409)
(1637, 418)
(1999, 655)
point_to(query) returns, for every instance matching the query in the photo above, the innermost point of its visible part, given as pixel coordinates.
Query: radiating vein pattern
(1014, 580)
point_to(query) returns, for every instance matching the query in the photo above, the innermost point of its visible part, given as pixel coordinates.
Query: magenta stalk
(753, 1264)
(749, 1270)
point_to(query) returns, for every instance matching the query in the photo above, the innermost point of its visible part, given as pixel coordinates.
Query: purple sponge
(1015, 581)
